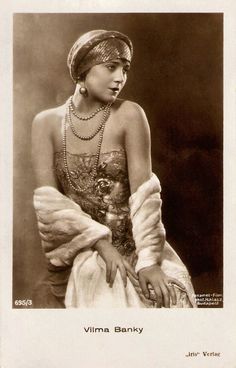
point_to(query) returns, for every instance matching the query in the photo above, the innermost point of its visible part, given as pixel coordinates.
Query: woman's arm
(44, 129)
(137, 145)
(42, 149)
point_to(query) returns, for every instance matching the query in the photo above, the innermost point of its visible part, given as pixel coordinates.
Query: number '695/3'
(24, 302)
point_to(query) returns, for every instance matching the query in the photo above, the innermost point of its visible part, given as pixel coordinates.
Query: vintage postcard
(117, 184)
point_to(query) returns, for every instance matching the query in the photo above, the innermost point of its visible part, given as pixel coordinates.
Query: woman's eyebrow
(124, 63)
(113, 62)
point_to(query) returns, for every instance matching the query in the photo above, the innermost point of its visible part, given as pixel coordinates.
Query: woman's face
(105, 81)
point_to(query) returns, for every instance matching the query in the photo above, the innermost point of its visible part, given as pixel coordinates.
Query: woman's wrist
(101, 244)
(156, 266)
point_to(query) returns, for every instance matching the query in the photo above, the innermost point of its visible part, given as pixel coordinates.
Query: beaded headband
(97, 47)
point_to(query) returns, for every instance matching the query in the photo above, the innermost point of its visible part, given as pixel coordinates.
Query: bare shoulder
(132, 115)
(129, 108)
(47, 120)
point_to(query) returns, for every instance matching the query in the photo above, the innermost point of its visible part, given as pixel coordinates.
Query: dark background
(177, 77)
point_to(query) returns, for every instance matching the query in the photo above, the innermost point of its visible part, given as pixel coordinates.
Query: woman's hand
(162, 285)
(113, 261)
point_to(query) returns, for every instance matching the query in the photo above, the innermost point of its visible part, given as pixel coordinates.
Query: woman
(104, 240)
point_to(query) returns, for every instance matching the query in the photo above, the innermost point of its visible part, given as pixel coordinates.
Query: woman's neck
(84, 104)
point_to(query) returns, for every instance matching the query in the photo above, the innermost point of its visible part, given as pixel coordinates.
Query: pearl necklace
(92, 135)
(78, 189)
(84, 118)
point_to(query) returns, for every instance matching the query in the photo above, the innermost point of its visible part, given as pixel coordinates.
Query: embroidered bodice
(105, 198)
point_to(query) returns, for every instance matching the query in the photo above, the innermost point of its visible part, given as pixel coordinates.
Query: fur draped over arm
(148, 229)
(64, 228)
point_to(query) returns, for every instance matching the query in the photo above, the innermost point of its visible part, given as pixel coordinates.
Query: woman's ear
(82, 77)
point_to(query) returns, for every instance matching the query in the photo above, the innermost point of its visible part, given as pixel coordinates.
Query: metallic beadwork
(85, 44)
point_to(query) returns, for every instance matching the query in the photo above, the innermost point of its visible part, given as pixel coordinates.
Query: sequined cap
(97, 47)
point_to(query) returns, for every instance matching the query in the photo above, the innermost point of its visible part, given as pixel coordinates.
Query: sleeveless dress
(106, 200)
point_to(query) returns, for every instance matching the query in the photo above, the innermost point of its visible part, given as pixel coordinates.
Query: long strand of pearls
(67, 119)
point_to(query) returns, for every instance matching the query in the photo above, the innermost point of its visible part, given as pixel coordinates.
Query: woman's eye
(111, 67)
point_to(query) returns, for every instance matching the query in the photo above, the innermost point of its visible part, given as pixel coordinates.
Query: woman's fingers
(165, 295)
(143, 285)
(130, 269)
(113, 274)
(108, 272)
(158, 295)
(123, 273)
(124, 267)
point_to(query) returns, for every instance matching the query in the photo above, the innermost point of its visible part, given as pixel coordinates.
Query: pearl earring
(83, 91)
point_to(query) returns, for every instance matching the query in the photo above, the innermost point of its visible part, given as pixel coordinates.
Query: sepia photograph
(118, 160)
(117, 186)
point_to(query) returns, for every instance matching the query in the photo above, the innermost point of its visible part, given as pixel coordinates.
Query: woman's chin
(108, 100)
(112, 99)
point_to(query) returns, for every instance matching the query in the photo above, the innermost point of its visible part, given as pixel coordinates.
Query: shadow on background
(177, 77)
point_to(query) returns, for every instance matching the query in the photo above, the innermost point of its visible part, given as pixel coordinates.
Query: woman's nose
(119, 75)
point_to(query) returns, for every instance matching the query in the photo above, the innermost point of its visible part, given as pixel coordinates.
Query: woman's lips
(114, 90)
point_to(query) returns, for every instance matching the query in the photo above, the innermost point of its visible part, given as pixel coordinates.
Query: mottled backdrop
(176, 76)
